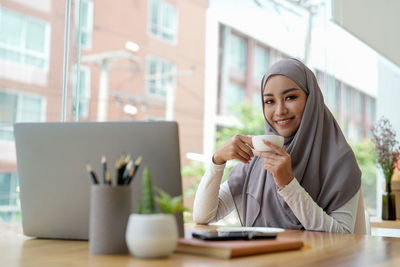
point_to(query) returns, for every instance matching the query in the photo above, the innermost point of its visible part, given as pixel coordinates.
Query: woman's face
(284, 103)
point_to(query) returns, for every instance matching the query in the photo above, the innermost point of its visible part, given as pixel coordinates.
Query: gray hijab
(322, 161)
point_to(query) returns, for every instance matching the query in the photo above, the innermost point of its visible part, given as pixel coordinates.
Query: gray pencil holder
(109, 212)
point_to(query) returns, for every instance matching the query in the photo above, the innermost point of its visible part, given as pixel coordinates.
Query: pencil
(104, 167)
(108, 177)
(121, 169)
(91, 173)
(125, 176)
(132, 173)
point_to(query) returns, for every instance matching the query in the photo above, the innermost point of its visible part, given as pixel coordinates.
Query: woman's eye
(290, 97)
(268, 101)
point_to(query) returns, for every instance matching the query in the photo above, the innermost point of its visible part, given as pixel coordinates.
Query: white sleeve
(212, 201)
(313, 217)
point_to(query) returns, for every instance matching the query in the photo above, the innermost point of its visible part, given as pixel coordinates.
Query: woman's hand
(235, 148)
(279, 163)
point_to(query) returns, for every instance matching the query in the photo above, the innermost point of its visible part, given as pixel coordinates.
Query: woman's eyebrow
(284, 92)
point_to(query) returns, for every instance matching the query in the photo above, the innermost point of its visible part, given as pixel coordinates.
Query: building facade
(139, 60)
(243, 62)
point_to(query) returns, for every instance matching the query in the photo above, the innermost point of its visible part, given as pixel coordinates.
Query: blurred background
(199, 62)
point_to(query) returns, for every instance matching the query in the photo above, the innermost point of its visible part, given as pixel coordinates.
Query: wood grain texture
(323, 249)
(379, 223)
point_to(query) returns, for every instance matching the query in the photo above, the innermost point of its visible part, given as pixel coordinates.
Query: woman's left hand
(279, 163)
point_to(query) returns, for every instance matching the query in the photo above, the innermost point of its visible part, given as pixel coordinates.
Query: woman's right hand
(235, 148)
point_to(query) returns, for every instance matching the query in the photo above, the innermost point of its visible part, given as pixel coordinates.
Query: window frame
(18, 108)
(88, 31)
(160, 15)
(242, 66)
(257, 47)
(87, 93)
(22, 50)
(159, 82)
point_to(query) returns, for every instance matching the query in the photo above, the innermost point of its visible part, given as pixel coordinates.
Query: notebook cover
(236, 248)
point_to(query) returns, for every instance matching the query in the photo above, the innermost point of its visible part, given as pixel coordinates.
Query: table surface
(379, 223)
(324, 249)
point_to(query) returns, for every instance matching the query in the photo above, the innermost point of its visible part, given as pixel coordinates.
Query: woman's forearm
(213, 201)
(313, 217)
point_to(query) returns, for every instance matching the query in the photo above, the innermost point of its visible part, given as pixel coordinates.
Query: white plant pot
(151, 235)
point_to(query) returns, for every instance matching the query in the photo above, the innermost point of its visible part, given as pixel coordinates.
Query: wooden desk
(323, 249)
(379, 223)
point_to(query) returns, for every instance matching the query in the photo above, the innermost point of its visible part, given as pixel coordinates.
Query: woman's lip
(283, 122)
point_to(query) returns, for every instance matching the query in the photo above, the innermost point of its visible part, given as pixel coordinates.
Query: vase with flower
(387, 152)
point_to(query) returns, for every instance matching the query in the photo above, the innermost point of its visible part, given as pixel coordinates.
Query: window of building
(261, 62)
(371, 109)
(86, 23)
(23, 39)
(238, 53)
(348, 100)
(9, 197)
(359, 133)
(160, 76)
(257, 99)
(84, 92)
(332, 94)
(232, 97)
(163, 20)
(360, 105)
(17, 107)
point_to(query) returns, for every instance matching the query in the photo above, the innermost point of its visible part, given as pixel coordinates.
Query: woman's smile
(283, 122)
(284, 103)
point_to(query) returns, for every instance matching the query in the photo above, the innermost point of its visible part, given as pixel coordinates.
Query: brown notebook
(236, 248)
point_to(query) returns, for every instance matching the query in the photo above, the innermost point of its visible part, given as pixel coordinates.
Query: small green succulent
(166, 203)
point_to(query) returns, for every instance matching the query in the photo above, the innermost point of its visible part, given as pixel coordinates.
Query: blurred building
(244, 39)
(146, 58)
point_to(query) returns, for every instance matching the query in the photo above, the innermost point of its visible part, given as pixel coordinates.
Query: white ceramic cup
(151, 235)
(259, 145)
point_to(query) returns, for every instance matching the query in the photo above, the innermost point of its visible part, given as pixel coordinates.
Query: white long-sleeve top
(214, 201)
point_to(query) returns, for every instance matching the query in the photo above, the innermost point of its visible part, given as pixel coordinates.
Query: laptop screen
(54, 183)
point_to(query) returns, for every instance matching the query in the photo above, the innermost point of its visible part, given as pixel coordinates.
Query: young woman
(311, 183)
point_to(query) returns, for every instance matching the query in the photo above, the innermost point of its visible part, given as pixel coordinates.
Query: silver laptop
(54, 183)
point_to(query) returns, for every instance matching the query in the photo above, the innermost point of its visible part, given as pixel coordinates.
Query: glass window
(238, 53)
(232, 98)
(9, 199)
(261, 62)
(359, 133)
(8, 189)
(257, 99)
(332, 94)
(86, 23)
(23, 39)
(16, 107)
(360, 105)
(348, 99)
(160, 76)
(163, 20)
(84, 92)
(371, 109)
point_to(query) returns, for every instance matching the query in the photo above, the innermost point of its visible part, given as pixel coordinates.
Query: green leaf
(139, 209)
(169, 204)
(147, 193)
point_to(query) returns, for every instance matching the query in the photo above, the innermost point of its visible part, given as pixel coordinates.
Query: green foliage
(193, 170)
(366, 159)
(251, 120)
(166, 203)
(139, 209)
(169, 204)
(147, 193)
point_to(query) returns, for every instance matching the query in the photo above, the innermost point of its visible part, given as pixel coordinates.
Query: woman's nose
(281, 109)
